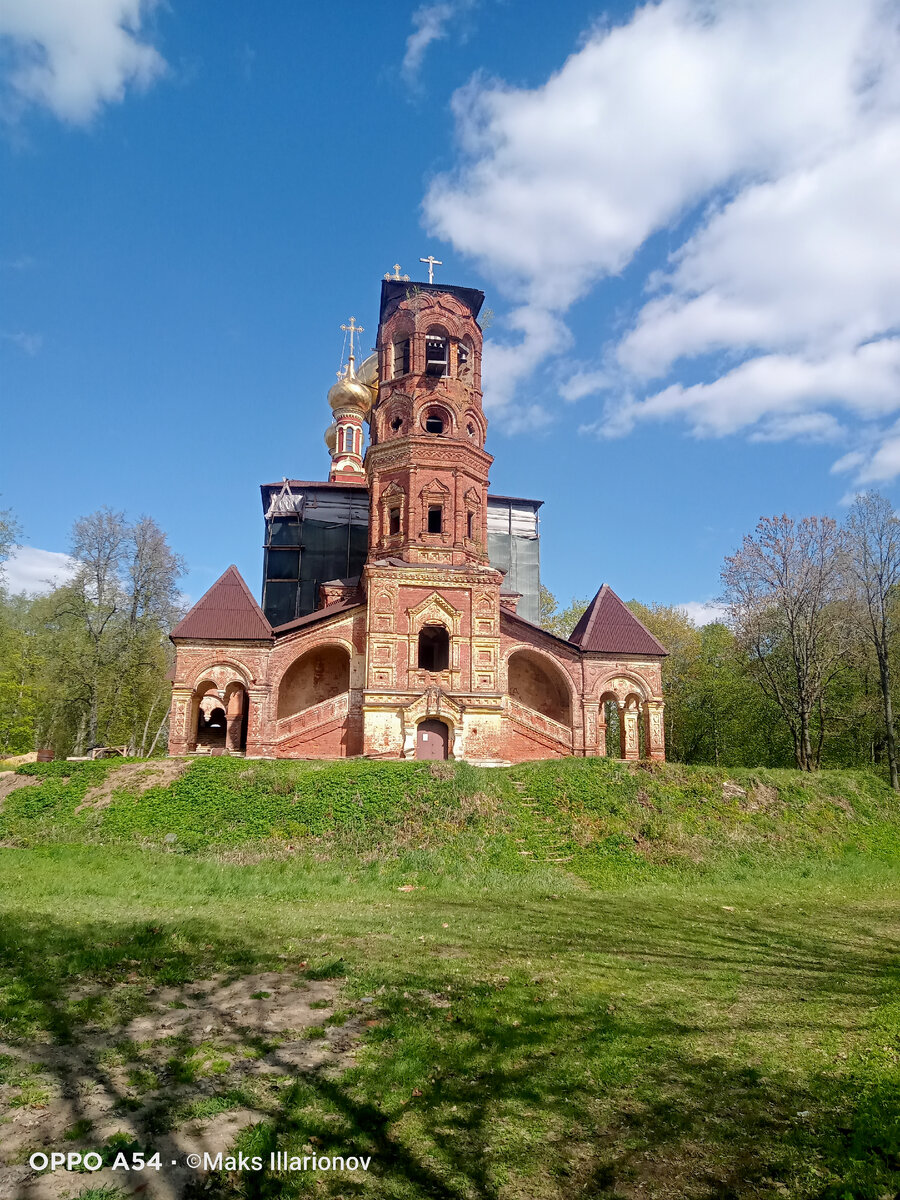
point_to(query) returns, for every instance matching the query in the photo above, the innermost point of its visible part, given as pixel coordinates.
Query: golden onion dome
(348, 392)
(331, 437)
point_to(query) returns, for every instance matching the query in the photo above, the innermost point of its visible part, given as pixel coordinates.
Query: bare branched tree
(873, 570)
(10, 531)
(784, 591)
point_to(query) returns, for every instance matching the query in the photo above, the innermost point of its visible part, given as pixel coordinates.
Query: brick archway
(539, 683)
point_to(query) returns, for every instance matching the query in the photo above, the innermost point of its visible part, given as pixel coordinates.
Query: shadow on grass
(521, 1086)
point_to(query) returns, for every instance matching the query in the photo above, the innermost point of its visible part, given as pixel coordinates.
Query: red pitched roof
(227, 612)
(609, 626)
(318, 614)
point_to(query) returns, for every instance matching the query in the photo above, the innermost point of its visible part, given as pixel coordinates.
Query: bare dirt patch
(186, 1075)
(10, 782)
(136, 777)
(762, 798)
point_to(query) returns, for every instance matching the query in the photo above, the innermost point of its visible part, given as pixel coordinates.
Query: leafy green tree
(105, 637)
(559, 621)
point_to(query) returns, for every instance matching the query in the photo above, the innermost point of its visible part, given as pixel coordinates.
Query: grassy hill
(568, 979)
(600, 819)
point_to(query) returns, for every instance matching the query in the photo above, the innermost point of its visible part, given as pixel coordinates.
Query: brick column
(181, 714)
(233, 715)
(592, 728)
(654, 729)
(628, 732)
(257, 747)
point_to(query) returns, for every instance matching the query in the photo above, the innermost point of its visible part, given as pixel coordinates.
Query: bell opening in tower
(437, 356)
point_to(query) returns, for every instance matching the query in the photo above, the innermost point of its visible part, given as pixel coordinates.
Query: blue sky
(683, 216)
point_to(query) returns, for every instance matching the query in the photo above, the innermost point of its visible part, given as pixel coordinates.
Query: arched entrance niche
(210, 718)
(538, 683)
(432, 739)
(622, 722)
(317, 675)
(611, 726)
(219, 718)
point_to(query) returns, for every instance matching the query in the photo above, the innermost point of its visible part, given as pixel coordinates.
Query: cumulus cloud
(704, 612)
(35, 571)
(73, 56)
(761, 136)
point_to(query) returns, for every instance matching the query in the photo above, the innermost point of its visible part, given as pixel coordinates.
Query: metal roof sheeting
(610, 627)
(227, 612)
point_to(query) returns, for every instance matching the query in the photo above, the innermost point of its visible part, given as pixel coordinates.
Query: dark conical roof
(227, 612)
(609, 626)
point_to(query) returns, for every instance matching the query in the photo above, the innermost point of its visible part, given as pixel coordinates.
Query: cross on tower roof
(396, 275)
(352, 329)
(432, 263)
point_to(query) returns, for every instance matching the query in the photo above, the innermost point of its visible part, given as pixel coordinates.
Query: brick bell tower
(433, 599)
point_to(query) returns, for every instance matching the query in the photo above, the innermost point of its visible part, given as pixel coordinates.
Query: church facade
(393, 619)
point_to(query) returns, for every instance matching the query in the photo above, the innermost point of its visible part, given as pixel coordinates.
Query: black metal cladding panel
(395, 290)
(326, 551)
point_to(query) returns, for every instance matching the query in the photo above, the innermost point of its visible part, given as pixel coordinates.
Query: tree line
(87, 664)
(802, 670)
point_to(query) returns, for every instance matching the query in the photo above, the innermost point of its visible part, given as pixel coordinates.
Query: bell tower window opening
(437, 355)
(462, 360)
(434, 423)
(434, 648)
(401, 363)
(470, 525)
(435, 518)
(397, 424)
(394, 520)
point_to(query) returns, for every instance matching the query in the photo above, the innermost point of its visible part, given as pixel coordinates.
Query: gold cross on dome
(352, 329)
(396, 275)
(432, 263)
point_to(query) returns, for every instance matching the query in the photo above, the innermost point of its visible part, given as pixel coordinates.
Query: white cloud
(35, 571)
(431, 23)
(808, 262)
(764, 134)
(704, 612)
(506, 365)
(73, 56)
(775, 386)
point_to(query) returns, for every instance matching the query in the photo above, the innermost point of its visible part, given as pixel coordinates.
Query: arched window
(434, 648)
(437, 353)
(435, 518)
(401, 362)
(434, 422)
(463, 360)
(394, 520)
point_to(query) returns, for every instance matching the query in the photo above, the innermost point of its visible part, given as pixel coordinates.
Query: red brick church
(400, 597)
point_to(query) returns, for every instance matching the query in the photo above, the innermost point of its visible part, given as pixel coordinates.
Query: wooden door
(432, 739)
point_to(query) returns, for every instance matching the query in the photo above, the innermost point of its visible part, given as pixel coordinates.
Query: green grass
(599, 819)
(701, 1001)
